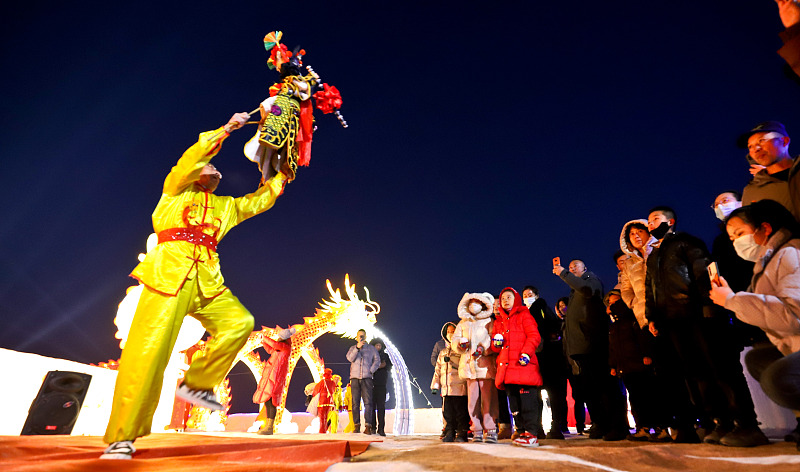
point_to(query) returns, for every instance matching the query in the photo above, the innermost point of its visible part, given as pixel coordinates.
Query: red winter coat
(520, 335)
(273, 378)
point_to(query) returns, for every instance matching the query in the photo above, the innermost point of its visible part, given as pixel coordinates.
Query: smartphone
(713, 273)
(556, 261)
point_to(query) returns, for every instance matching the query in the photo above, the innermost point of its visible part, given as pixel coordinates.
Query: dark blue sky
(483, 141)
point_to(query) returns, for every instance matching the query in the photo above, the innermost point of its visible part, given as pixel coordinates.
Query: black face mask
(660, 231)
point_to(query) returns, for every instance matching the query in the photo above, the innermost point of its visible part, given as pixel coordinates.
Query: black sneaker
(660, 435)
(720, 430)
(119, 450)
(555, 433)
(201, 398)
(641, 434)
(617, 434)
(744, 437)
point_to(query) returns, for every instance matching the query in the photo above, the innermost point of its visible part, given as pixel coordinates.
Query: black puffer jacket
(677, 280)
(586, 325)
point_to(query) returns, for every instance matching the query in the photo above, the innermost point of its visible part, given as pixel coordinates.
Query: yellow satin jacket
(186, 204)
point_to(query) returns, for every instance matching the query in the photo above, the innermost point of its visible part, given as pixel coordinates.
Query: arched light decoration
(403, 402)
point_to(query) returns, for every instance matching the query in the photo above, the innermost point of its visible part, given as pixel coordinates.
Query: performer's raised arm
(191, 164)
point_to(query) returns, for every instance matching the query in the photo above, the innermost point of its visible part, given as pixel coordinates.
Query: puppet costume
(182, 277)
(286, 128)
(273, 377)
(326, 389)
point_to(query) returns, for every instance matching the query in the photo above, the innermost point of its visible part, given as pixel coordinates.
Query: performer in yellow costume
(182, 277)
(333, 415)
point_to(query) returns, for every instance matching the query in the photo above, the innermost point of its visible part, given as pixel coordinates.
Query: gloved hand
(434, 391)
(478, 352)
(497, 340)
(524, 359)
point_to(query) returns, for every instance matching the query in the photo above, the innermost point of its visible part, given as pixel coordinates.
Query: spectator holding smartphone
(364, 361)
(767, 234)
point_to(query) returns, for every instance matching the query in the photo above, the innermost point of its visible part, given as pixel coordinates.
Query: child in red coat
(515, 337)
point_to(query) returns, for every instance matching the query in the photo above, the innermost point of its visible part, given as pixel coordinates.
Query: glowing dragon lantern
(287, 121)
(338, 315)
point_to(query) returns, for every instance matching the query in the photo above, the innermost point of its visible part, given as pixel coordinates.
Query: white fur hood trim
(487, 299)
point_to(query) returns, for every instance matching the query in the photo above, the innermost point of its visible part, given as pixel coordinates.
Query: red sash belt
(189, 235)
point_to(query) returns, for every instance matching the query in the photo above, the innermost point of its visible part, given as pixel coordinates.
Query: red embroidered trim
(189, 235)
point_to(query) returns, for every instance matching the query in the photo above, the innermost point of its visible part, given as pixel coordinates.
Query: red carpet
(177, 452)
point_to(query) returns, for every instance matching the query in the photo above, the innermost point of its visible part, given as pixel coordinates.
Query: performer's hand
(557, 270)
(755, 169)
(789, 11)
(237, 121)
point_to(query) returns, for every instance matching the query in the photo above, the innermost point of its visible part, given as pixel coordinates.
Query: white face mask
(724, 209)
(747, 248)
(475, 308)
(528, 301)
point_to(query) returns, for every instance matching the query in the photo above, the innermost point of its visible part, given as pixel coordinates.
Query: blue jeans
(361, 389)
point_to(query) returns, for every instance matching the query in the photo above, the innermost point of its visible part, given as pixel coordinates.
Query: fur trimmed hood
(486, 299)
(444, 331)
(624, 244)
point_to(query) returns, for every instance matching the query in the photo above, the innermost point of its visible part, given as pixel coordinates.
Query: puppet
(287, 121)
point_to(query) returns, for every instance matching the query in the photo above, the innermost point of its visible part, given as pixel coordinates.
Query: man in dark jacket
(380, 380)
(551, 360)
(586, 343)
(702, 348)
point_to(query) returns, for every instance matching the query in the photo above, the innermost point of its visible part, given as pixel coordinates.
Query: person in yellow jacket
(182, 277)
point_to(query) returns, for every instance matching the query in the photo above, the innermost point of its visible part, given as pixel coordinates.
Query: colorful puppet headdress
(279, 54)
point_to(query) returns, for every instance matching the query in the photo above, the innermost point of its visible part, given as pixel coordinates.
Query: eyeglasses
(763, 140)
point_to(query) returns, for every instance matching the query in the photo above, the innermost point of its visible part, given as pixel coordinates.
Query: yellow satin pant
(150, 342)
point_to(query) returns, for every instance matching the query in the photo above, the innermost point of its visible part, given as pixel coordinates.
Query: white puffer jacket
(476, 330)
(632, 277)
(773, 303)
(445, 376)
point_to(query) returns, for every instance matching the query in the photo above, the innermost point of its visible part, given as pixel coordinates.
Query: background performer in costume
(273, 377)
(182, 277)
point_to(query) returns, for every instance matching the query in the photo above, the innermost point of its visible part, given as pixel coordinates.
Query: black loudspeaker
(55, 408)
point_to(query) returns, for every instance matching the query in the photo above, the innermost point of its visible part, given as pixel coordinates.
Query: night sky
(484, 139)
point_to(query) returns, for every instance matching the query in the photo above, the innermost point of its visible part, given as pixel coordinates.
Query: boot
(720, 430)
(449, 435)
(267, 428)
(744, 436)
(505, 431)
(368, 429)
(461, 436)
